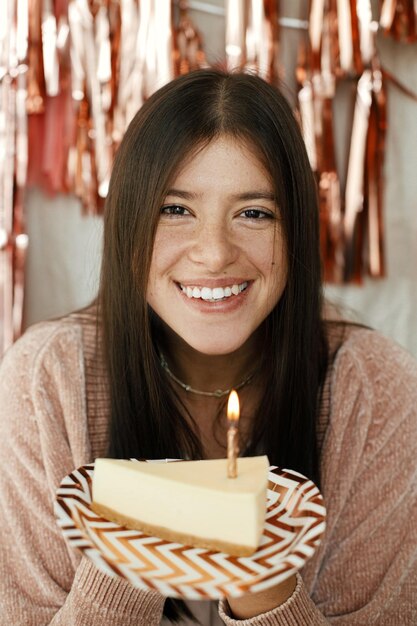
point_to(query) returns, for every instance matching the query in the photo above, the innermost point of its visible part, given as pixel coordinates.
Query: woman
(211, 280)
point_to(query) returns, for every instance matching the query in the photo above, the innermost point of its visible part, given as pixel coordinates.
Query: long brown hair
(187, 113)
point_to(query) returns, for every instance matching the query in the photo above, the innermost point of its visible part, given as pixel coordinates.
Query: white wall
(64, 252)
(63, 257)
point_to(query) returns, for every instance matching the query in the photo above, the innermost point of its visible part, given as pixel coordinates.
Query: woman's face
(219, 263)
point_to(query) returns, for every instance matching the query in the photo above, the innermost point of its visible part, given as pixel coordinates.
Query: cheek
(279, 263)
(277, 269)
(271, 257)
(163, 255)
(167, 249)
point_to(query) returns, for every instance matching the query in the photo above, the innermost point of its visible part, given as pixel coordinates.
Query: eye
(175, 210)
(257, 214)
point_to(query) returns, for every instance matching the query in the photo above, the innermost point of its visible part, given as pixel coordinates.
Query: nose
(214, 247)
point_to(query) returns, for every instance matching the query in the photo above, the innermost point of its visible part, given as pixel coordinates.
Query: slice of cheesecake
(192, 502)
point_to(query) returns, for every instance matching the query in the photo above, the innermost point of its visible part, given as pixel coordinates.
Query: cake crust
(169, 535)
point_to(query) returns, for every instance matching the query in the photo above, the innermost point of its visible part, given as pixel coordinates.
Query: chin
(215, 348)
(214, 352)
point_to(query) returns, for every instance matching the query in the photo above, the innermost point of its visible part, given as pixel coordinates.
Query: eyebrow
(246, 195)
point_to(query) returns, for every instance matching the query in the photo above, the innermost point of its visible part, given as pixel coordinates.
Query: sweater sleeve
(365, 570)
(42, 438)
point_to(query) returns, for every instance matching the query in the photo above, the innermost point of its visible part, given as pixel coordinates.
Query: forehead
(223, 162)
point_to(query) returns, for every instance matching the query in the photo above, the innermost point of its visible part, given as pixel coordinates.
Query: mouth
(217, 294)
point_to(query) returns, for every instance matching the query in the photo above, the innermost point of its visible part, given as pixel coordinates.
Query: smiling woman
(211, 279)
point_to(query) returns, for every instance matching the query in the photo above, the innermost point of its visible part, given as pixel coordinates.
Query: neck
(209, 372)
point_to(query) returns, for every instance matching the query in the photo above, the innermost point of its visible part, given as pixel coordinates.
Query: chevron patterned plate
(294, 524)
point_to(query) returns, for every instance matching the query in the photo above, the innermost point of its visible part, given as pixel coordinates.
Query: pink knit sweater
(53, 416)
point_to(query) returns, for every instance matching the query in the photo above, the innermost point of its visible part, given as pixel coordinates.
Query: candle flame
(233, 410)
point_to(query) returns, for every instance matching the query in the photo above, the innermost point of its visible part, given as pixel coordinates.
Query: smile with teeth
(213, 295)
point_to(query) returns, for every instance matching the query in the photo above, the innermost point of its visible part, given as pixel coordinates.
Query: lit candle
(232, 434)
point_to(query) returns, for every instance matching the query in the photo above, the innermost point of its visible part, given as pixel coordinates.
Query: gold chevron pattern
(294, 525)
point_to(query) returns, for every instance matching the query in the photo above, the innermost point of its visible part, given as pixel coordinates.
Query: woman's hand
(253, 604)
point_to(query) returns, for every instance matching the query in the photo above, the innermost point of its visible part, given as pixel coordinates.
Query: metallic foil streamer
(36, 80)
(51, 131)
(316, 74)
(188, 44)
(143, 54)
(262, 38)
(91, 85)
(363, 216)
(398, 18)
(126, 74)
(7, 122)
(252, 36)
(354, 198)
(235, 33)
(14, 34)
(49, 49)
(345, 35)
(374, 176)
(363, 198)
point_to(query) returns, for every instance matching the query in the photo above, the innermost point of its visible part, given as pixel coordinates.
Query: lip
(212, 283)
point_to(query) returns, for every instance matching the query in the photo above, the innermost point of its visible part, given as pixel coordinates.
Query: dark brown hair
(183, 115)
